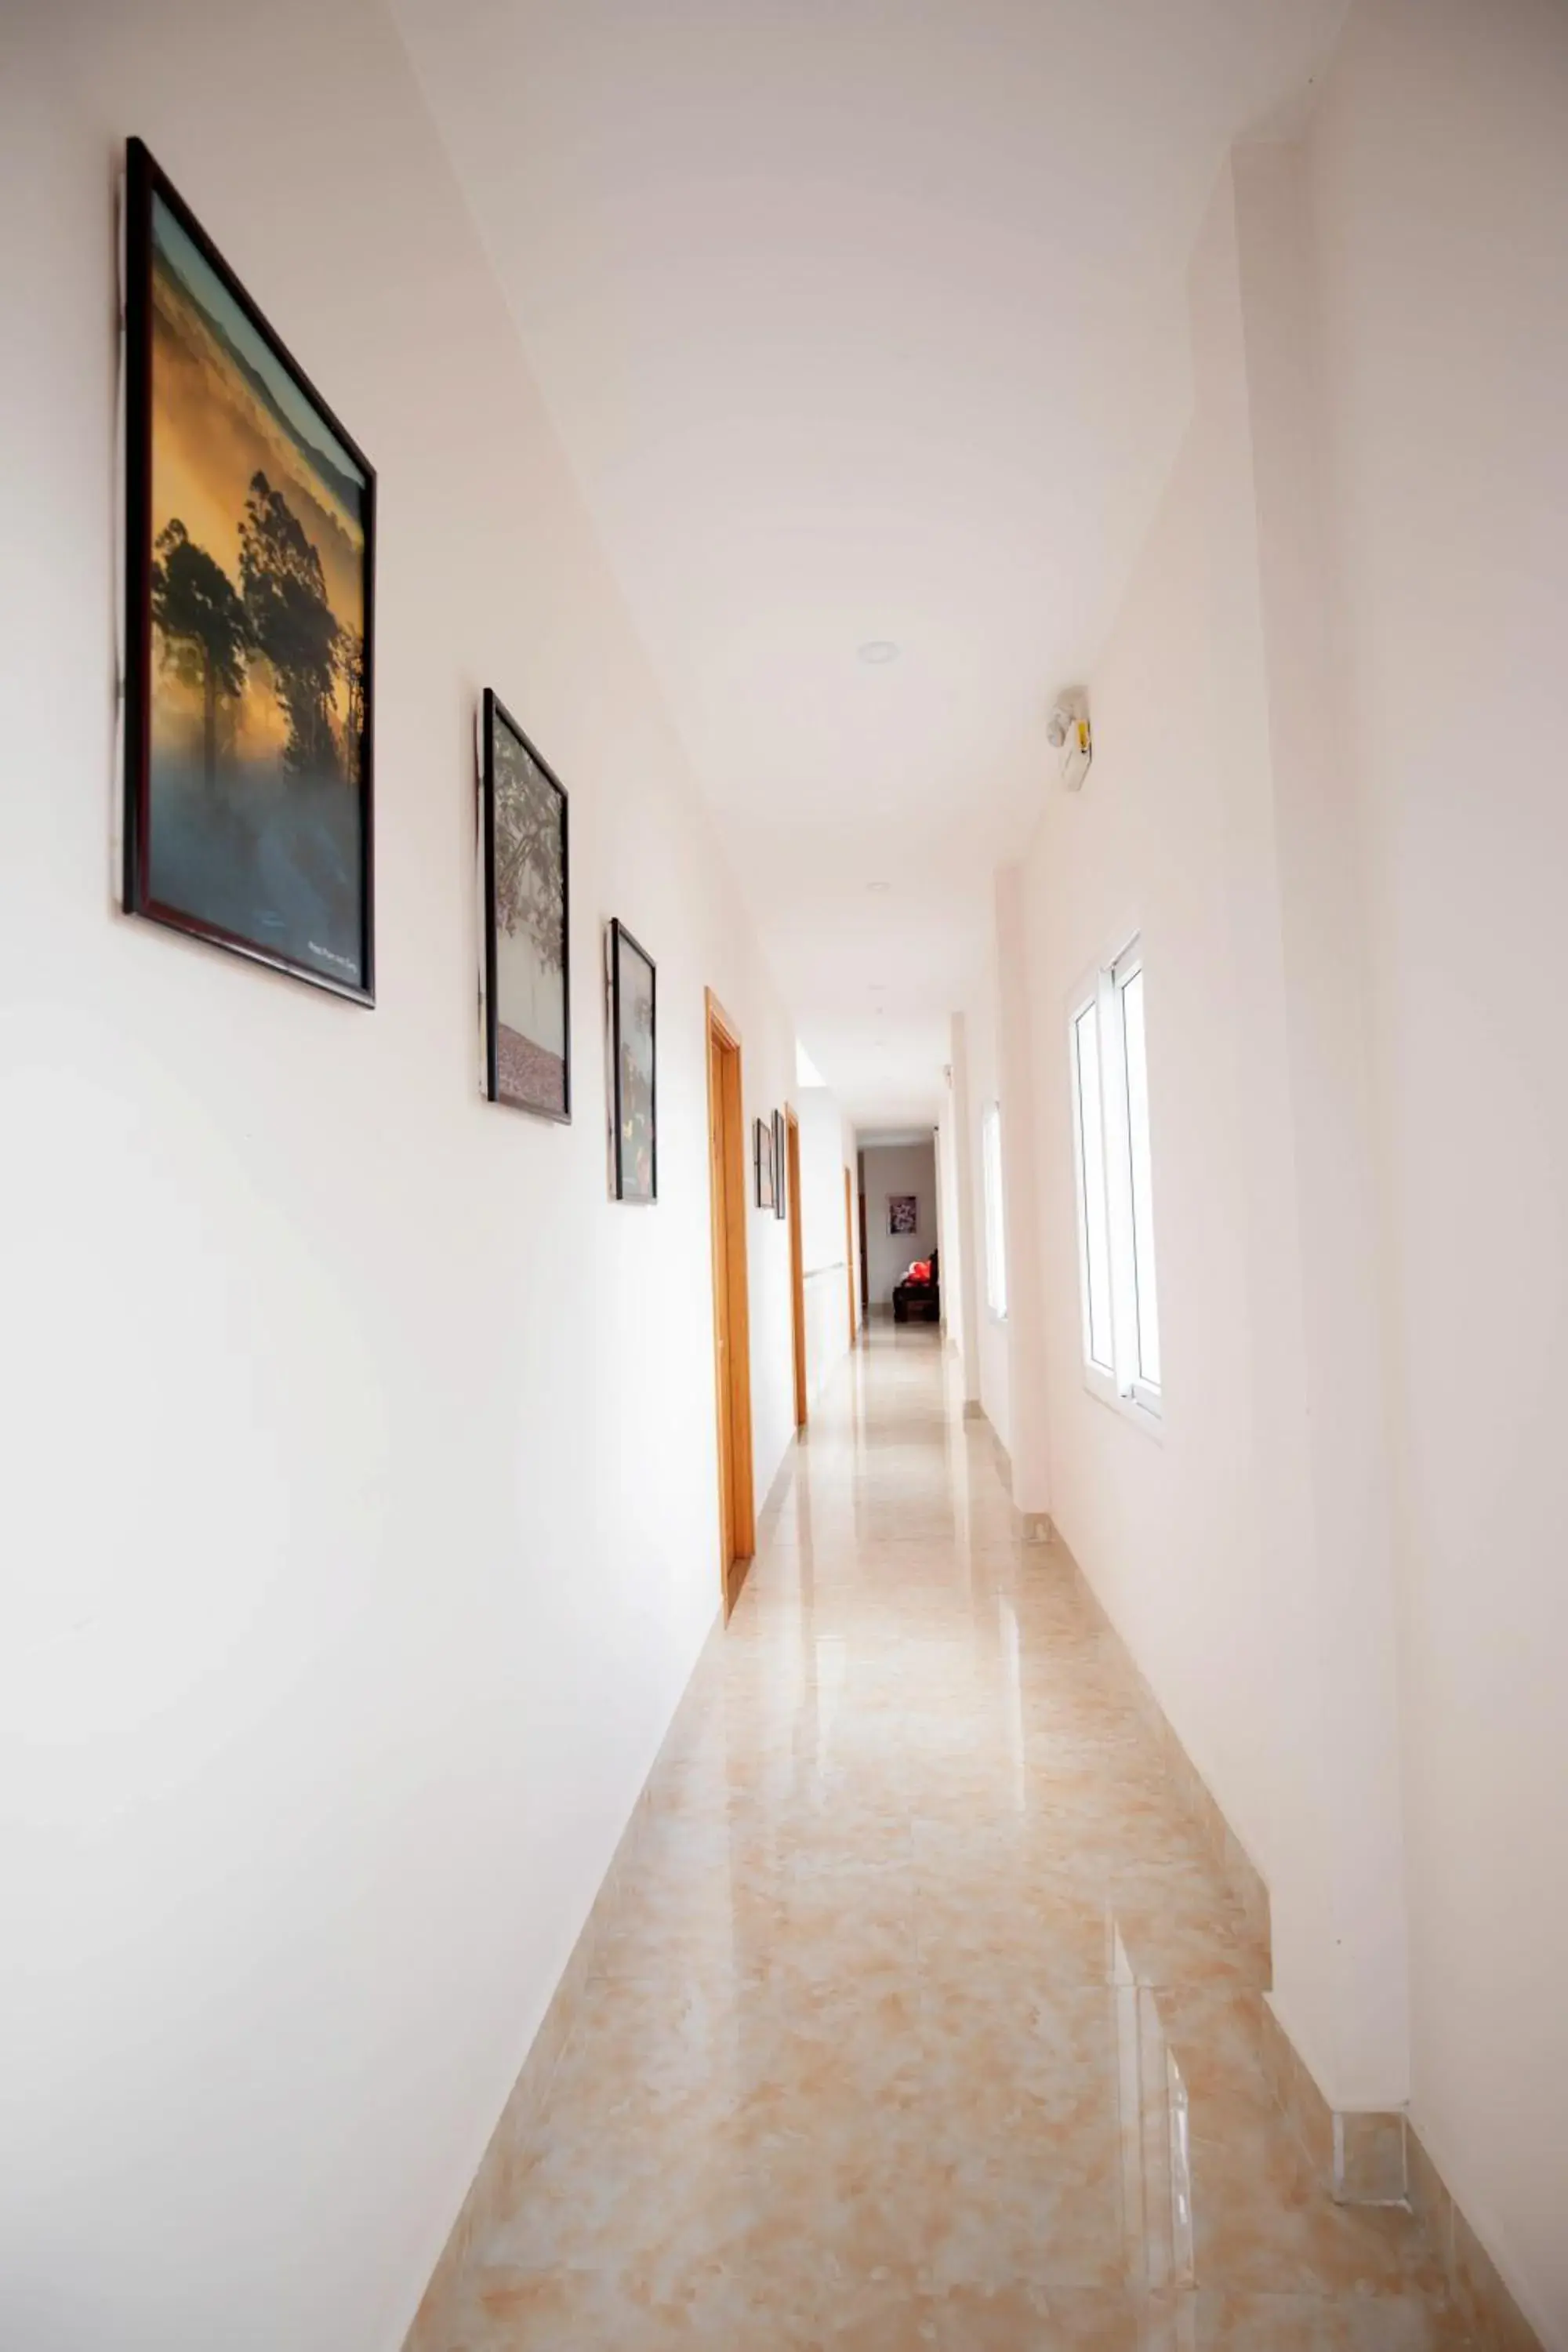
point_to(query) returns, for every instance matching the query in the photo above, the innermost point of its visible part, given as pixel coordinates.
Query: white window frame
(1121, 1383)
(993, 1186)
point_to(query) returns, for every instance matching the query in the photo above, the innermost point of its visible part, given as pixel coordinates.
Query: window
(1094, 1224)
(996, 1232)
(1129, 979)
(1109, 1066)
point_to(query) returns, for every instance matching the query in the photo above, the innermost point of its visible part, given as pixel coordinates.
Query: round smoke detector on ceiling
(879, 650)
(879, 889)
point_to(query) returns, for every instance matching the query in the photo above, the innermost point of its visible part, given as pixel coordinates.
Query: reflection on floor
(922, 2019)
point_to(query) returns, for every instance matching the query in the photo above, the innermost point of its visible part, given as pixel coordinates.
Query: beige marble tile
(1023, 2319)
(1369, 2162)
(1265, 2220)
(926, 2005)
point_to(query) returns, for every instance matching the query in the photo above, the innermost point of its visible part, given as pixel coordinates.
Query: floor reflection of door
(731, 1315)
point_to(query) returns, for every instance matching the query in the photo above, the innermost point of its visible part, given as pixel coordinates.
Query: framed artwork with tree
(634, 1079)
(525, 879)
(250, 536)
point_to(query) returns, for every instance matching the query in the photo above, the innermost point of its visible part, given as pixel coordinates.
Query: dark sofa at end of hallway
(919, 1301)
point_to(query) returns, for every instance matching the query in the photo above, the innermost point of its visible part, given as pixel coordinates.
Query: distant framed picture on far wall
(763, 1144)
(634, 1110)
(902, 1216)
(780, 1160)
(249, 565)
(526, 881)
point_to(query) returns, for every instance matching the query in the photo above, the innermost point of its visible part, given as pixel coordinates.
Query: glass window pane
(1091, 1164)
(1131, 994)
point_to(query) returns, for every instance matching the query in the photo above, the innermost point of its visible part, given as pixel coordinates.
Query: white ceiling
(860, 319)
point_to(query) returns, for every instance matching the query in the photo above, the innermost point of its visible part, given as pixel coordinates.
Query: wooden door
(796, 1262)
(732, 1313)
(849, 1247)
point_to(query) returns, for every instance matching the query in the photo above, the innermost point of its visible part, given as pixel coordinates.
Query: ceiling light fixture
(879, 650)
(879, 889)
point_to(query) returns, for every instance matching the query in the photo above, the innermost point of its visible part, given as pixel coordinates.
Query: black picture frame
(780, 1204)
(253, 857)
(762, 1146)
(509, 1054)
(628, 1184)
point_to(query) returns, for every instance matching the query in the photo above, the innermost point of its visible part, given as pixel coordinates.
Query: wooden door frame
(796, 1262)
(732, 1379)
(849, 1249)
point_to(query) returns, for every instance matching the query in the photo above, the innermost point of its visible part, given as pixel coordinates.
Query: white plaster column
(964, 1240)
(1020, 1189)
(1320, 1445)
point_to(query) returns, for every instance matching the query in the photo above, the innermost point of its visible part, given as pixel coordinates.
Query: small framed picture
(780, 1205)
(527, 933)
(901, 1213)
(250, 563)
(634, 1074)
(764, 1131)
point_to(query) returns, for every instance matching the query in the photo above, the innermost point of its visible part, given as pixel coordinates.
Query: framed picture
(763, 1130)
(901, 1216)
(527, 937)
(250, 569)
(781, 1206)
(634, 1079)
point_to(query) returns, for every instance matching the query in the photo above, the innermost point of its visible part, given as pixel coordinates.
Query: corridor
(916, 2014)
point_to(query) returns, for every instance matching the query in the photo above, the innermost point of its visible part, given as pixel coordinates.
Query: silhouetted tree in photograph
(286, 598)
(530, 893)
(351, 669)
(205, 629)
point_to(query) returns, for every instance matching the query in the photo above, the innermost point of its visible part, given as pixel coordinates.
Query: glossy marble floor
(921, 2018)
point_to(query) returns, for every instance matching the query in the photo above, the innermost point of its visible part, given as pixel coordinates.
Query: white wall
(1244, 1549)
(358, 1517)
(949, 1221)
(984, 1086)
(1331, 725)
(1028, 1401)
(1440, 185)
(908, 1168)
(964, 1307)
(827, 1149)
(1166, 1530)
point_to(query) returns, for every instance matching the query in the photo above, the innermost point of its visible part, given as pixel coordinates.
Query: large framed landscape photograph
(527, 938)
(250, 532)
(633, 1085)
